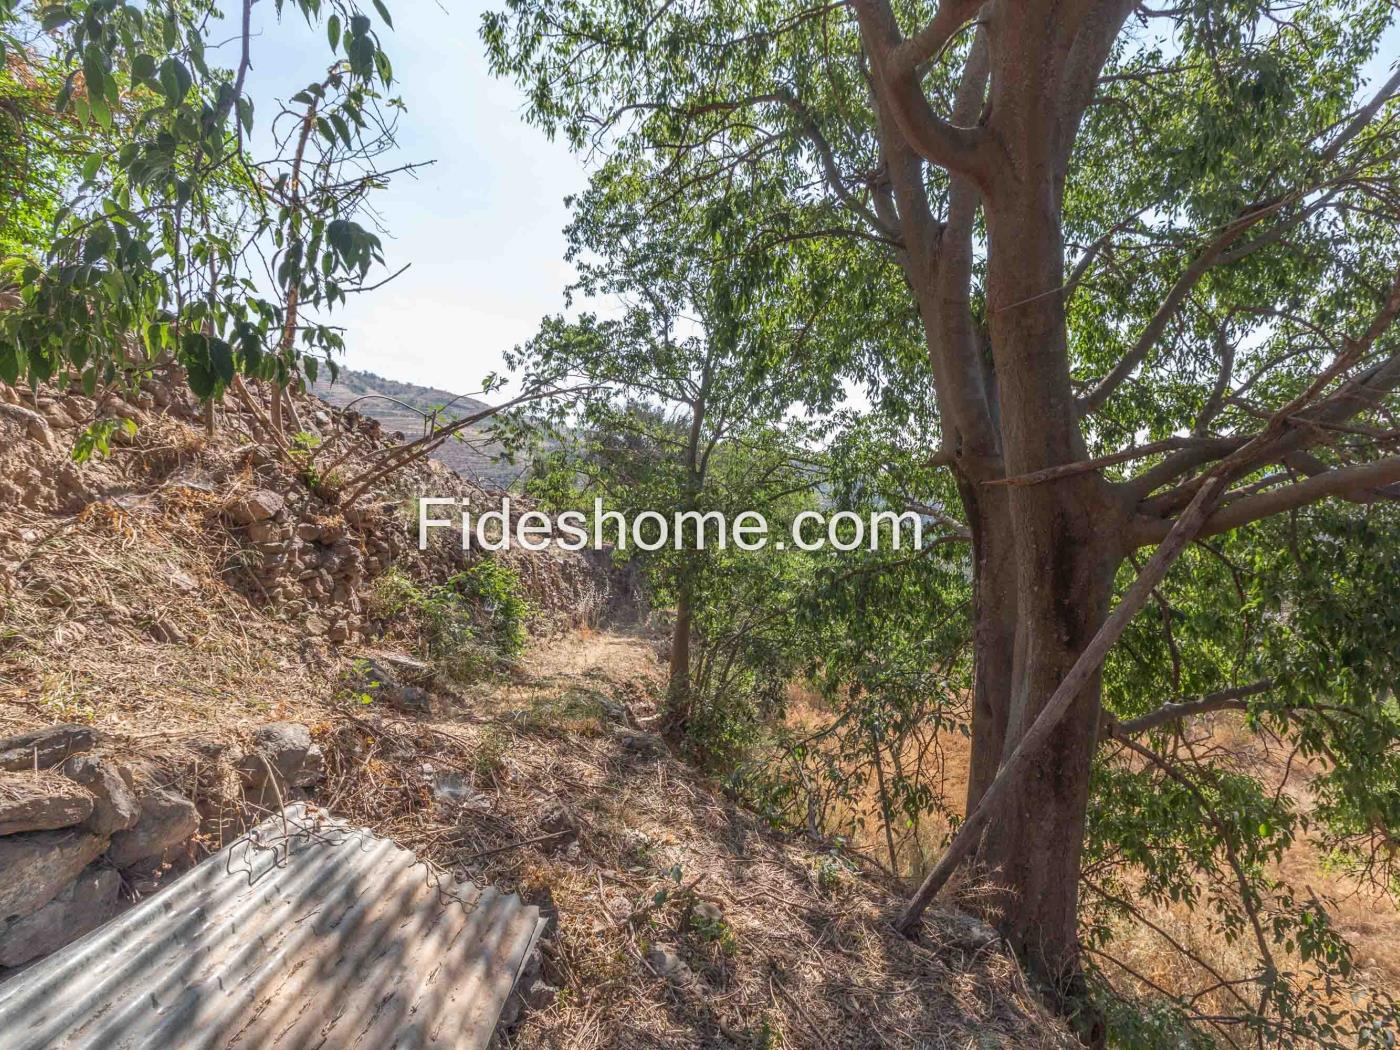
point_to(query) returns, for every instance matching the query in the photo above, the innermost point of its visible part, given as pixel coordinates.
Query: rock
(92, 899)
(283, 750)
(964, 931)
(44, 748)
(379, 678)
(559, 820)
(258, 505)
(264, 532)
(308, 531)
(540, 995)
(38, 865)
(166, 633)
(114, 803)
(706, 913)
(669, 965)
(645, 745)
(167, 819)
(40, 802)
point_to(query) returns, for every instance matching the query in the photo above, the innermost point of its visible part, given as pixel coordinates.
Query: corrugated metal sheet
(307, 933)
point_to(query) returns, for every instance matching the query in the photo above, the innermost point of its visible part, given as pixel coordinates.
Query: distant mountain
(404, 408)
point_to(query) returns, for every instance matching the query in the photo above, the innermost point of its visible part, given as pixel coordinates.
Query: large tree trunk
(1063, 538)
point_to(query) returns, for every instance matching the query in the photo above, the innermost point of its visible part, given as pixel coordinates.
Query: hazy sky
(481, 227)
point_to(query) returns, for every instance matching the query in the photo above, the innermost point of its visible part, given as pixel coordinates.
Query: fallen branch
(536, 841)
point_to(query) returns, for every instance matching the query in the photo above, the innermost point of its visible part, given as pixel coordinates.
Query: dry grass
(804, 956)
(1149, 954)
(120, 617)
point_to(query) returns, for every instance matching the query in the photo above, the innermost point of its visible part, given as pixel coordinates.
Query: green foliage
(96, 439)
(144, 218)
(468, 626)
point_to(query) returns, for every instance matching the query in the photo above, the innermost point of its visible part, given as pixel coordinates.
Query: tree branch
(896, 66)
(1340, 482)
(1231, 699)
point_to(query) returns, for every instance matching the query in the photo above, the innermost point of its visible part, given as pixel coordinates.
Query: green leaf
(333, 32)
(175, 81)
(383, 13)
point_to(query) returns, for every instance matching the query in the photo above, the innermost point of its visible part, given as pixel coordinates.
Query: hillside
(186, 599)
(404, 408)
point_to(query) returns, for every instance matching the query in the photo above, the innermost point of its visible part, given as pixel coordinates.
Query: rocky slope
(192, 633)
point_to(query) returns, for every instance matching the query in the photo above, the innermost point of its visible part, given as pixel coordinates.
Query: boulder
(283, 750)
(40, 802)
(39, 864)
(45, 748)
(167, 819)
(92, 899)
(114, 803)
(258, 505)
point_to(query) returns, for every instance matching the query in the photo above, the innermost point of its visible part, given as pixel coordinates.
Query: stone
(308, 531)
(258, 505)
(378, 677)
(669, 965)
(40, 802)
(167, 819)
(645, 745)
(559, 820)
(264, 532)
(114, 803)
(283, 750)
(706, 913)
(540, 995)
(964, 931)
(39, 864)
(45, 748)
(92, 899)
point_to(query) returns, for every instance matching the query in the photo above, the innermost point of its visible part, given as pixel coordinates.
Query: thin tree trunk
(678, 686)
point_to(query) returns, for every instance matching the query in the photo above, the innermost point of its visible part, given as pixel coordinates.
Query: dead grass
(804, 956)
(1149, 956)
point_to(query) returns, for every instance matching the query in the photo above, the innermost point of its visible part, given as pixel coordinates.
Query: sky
(482, 226)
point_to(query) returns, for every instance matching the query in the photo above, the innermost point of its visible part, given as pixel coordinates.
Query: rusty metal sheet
(306, 932)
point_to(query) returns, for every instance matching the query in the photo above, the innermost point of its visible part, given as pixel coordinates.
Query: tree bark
(678, 676)
(1064, 542)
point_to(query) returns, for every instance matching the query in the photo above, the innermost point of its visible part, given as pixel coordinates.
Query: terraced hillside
(405, 407)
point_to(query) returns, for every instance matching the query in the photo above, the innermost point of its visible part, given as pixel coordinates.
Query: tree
(1153, 255)
(163, 238)
(697, 372)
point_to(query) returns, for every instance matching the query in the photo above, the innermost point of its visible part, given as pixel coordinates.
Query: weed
(469, 626)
